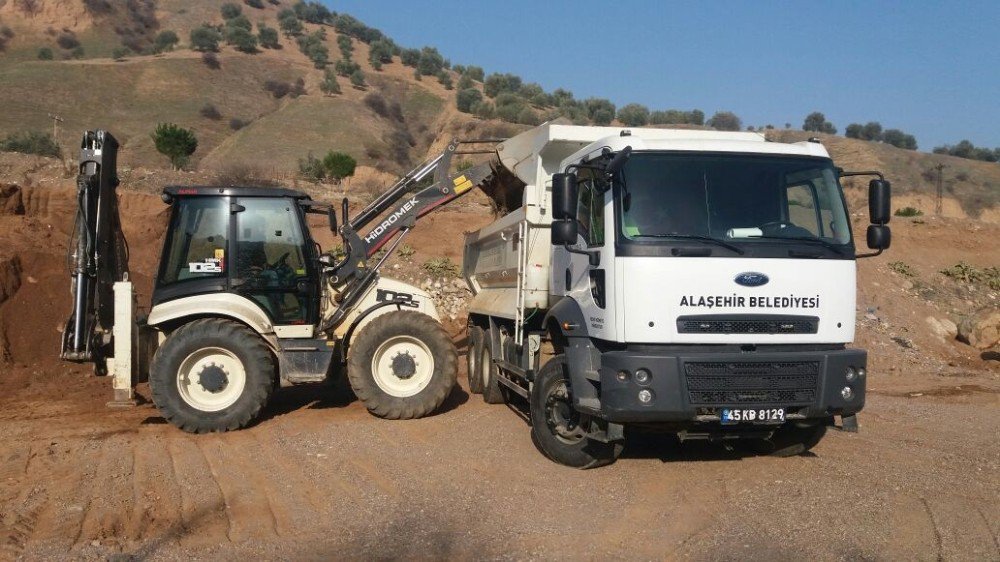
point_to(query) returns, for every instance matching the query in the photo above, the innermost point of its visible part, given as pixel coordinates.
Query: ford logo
(751, 279)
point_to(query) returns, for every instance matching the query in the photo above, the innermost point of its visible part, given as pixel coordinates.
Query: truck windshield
(737, 198)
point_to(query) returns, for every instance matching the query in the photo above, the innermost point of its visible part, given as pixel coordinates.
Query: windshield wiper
(830, 245)
(708, 239)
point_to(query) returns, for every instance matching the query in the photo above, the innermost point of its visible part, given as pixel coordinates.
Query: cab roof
(231, 191)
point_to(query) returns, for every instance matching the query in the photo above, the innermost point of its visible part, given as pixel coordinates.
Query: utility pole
(55, 126)
(940, 190)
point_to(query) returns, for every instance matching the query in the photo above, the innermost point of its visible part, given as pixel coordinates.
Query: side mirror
(618, 162)
(879, 237)
(564, 197)
(879, 201)
(564, 231)
(331, 216)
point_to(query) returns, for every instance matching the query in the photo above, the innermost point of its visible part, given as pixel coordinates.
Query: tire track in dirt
(67, 471)
(156, 512)
(105, 516)
(204, 518)
(244, 492)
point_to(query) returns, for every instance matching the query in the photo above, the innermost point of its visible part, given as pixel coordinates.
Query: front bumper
(695, 386)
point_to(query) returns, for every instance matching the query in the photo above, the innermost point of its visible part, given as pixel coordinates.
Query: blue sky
(929, 68)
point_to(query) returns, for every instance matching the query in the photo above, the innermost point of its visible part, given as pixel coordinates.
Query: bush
(358, 79)
(339, 165)
(465, 82)
(211, 60)
(119, 53)
(345, 45)
(909, 212)
(312, 46)
(441, 267)
(965, 149)
(230, 11)
(725, 121)
(31, 142)
(968, 274)
(484, 110)
(409, 57)
(475, 72)
(242, 39)
(329, 85)
(175, 142)
(290, 25)
(267, 36)
(312, 12)
(599, 110)
(817, 122)
(77, 53)
(45, 53)
(67, 41)
(236, 124)
(381, 51)
(899, 139)
(378, 104)
(634, 115)
(312, 168)
(346, 68)
(6, 34)
(431, 62)
(497, 83)
(277, 88)
(902, 268)
(205, 39)
(527, 116)
(209, 111)
(467, 98)
(445, 80)
(165, 41)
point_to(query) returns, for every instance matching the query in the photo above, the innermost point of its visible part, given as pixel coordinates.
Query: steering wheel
(280, 262)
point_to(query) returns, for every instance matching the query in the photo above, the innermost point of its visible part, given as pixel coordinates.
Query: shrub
(466, 99)
(465, 82)
(965, 149)
(165, 41)
(67, 41)
(277, 88)
(968, 274)
(445, 80)
(902, 268)
(311, 168)
(377, 103)
(345, 45)
(381, 51)
(406, 251)
(441, 267)
(475, 72)
(599, 110)
(290, 25)
(230, 11)
(210, 60)
(339, 165)
(236, 124)
(358, 79)
(312, 46)
(634, 115)
(497, 83)
(119, 53)
(175, 142)
(242, 39)
(346, 68)
(431, 62)
(31, 142)
(909, 212)
(209, 111)
(267, 36)
(205, 39)
(329, 85)
(484, 110)
(312, 12)
(527, 116)
(77, 53)
(725, 121)
(409, 57)
(45, 53)
(817, 122)
(899, 139)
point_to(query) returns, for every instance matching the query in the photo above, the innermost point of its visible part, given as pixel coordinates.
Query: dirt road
(319, 478)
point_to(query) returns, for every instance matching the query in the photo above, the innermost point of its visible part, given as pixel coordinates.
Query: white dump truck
(701, 282)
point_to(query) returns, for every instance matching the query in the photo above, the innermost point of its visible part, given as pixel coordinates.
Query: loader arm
(97, 254)
(400, 209)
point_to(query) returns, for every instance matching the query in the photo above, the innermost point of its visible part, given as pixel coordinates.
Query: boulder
(942, 327)
(981, 329)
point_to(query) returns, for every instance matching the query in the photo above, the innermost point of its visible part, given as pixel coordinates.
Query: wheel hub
(403, 365)
(213, 378)
(560, 416)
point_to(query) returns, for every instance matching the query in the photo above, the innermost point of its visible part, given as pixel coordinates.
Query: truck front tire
(557, 429)
(402, 365)
(212, 375)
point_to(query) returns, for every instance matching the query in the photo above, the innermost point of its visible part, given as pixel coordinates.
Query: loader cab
(252, 242)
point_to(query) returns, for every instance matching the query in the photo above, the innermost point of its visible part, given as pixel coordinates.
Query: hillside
(390, 123)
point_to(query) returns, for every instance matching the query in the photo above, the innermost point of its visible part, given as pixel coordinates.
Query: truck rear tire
(791, 439)
(492, 393)
(473, 359)
(557, 429)
(212, 375)
(402, 365)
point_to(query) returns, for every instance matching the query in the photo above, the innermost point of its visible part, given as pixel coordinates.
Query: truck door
(272, 265)
(591, 285)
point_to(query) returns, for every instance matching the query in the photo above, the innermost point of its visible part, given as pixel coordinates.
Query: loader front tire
(402, 365)
(212, 375)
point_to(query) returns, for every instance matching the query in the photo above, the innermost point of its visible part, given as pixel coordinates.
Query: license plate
(753, 415)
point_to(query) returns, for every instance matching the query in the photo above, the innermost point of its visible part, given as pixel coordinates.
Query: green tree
(899, 139)
(339, 165)
(175, 142)
(242, 39)
(358, 79)
(634, 115)
(290, 25)
(854, 131)
(120, 53)
(165, 41)
(431, 62)
(497, 84)
(817, 122)
(475, 72)
(230, 10)
(409, 57)
(45, 53)
(725, 121)
(381, 51)
(346, 47)
(601, 111)
(329, 85)
(267, 36)
(346, 68)
(465, 82)
(205, 38)
(466, 99)
(445, 79)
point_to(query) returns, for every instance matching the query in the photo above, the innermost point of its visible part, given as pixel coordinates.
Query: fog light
(851, 374)
(847, 392)
(622, 376)
(642, 376)
(862, 372)
(645, 396)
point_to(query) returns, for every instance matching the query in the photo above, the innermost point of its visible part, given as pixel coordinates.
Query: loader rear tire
(212, 375)
(473, 359)
(402, 365)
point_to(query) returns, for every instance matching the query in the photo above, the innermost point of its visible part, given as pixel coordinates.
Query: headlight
(847, 393)
(851, 374)
(622, 376)
(643, 376)
(645, 396)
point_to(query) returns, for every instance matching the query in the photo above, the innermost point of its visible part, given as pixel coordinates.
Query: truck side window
(590, 213)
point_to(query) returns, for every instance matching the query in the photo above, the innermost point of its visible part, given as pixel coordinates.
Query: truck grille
(744, 382)
(747, 324)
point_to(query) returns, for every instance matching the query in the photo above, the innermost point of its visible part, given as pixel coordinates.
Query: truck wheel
(492, 393)
(791, 439)
(559, 430)
(402, 365)
(212, 375)
(473, 357)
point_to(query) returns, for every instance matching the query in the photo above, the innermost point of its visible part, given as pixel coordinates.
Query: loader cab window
(270, 258)
(196, 245)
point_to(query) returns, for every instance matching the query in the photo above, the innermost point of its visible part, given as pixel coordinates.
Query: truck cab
(700, 281)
